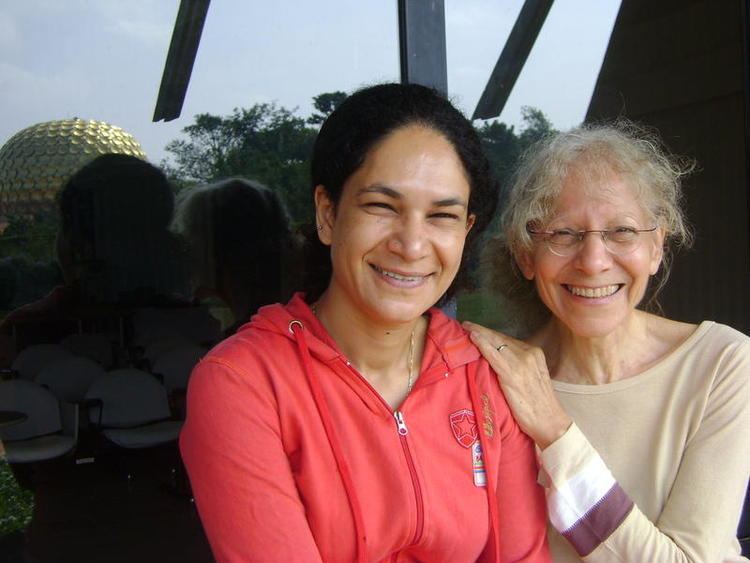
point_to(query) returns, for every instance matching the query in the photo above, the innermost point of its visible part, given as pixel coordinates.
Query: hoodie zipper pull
(402, 429)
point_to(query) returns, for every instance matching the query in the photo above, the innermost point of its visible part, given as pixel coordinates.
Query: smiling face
(594, 292)
(398, 231)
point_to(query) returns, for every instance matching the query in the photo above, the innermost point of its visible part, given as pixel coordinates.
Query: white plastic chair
(131, 409)
(50, 429)
(70, 378)
(97, 347)
(31, 360)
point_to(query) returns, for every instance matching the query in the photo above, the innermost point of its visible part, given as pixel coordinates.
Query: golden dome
(37, 161)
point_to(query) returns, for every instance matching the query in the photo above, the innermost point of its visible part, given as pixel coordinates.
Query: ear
(470, 220)
(325, 215)
(657, 250)
(525, 263)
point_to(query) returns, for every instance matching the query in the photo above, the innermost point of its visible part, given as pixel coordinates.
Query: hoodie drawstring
(298, 330)
(484, 443)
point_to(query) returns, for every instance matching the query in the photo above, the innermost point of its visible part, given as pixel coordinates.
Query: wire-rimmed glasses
(567, 242)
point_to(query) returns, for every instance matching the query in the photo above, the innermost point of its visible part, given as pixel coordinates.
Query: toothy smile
(398, 277)
(593, 292)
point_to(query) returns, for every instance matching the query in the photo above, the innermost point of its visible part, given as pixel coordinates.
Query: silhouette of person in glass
(241, 246)
(113, 246)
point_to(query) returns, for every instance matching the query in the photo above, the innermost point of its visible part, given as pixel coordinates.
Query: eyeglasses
(567, 242)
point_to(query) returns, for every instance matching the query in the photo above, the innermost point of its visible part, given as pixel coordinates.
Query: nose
(593, 256)
(409, 239)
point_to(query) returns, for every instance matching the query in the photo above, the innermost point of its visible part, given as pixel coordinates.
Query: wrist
(553, 432)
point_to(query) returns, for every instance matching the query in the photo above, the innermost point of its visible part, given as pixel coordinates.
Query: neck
(599, 359)
(382, 352)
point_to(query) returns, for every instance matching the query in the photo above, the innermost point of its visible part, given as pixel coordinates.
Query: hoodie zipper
(402, 431)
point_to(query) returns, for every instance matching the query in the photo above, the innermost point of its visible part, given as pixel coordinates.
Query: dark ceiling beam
(421, 27)
(182, 50)
(511, 61)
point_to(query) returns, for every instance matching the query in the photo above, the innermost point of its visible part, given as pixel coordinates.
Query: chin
(400, 311)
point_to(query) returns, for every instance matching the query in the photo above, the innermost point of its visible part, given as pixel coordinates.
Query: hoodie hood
(447, 344)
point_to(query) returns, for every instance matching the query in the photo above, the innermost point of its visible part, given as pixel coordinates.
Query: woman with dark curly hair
(359, 423)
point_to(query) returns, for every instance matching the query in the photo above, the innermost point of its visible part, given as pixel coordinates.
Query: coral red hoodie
(293, 456)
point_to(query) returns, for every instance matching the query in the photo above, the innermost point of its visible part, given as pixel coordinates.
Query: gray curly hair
(594, 152)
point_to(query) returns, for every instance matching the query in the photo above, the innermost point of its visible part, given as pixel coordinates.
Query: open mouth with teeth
(399, 278)
(594, 292)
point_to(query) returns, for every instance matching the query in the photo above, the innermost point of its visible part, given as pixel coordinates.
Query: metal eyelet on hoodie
(295, 322)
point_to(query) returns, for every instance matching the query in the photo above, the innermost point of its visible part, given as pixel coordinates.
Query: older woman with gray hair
(639, 420)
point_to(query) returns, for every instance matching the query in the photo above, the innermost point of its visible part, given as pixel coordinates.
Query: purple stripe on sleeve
(600, 521)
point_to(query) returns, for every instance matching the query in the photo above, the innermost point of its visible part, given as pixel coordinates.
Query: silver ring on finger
(501, 347)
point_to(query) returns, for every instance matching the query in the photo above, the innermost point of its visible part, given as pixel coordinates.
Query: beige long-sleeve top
(654, 468)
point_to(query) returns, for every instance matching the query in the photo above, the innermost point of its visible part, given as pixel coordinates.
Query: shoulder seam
(223, 362)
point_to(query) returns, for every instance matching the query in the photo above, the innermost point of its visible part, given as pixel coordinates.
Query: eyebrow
(390, 192)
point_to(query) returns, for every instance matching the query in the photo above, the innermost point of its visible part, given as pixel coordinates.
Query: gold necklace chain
(410, 357)
(410, 381)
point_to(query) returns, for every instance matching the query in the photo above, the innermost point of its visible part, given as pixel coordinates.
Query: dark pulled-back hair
(363, 120)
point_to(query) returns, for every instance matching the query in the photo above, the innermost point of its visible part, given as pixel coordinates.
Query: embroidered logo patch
(464, 426)
(489, 421)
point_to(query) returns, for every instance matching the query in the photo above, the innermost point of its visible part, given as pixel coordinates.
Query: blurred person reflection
(114, 241)
(113, 246)
(116, 253)
(241, 247)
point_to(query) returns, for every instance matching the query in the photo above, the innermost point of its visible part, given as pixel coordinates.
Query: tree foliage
(16, 504)
(264, 142)
(30, 236)
(503, 146)
(325, 104)
(28, 268)
(273, 145)
(536, 126)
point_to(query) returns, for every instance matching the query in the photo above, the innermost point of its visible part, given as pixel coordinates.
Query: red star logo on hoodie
(464, 426)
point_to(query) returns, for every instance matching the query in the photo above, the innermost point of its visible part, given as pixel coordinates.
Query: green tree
(30, 237)
(325, 104)
(501, 146)
(273, 145)
(28, 269)
(264, 142)
(16, 504)
(536, 126)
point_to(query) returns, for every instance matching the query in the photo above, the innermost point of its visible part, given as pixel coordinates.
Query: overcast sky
(103, 59)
